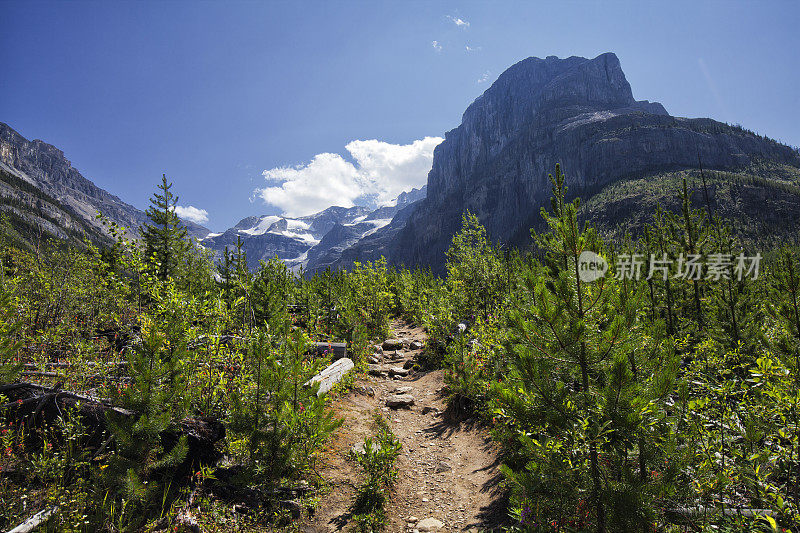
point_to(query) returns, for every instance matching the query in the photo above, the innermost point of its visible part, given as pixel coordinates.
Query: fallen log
(688, 514)
(336, 350)
(35, 521)
(111, 364)
(37, 405)
(331, 375)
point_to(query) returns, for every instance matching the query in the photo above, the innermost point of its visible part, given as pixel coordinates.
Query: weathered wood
(111, 364)
(331, 375)
(37, 405)
(336, 350)
(35, 521)
(37, 374)
(687, 514)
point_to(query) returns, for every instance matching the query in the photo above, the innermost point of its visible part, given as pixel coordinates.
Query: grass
(378, 462)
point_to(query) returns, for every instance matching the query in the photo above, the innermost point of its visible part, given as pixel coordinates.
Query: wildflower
(524, 515)
(462, 327)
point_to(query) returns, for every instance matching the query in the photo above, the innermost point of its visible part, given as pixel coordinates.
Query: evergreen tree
(143, 467)
(785, 308)
(271, 288)
(576, 391)
(473, 265)
(164, 236)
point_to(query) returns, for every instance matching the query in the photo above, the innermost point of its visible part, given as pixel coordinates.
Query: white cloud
(458, 22)
(484, 77)
(379, 172)
(473, 48)
(192, 214)
(437, 46)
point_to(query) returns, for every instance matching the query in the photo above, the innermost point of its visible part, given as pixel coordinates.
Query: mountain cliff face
(44, 166)
(578, 112)
(31, 217)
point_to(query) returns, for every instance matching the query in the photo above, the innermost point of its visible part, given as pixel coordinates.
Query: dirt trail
(447, 470)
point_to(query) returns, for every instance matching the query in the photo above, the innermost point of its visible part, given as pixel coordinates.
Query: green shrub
(380, 474)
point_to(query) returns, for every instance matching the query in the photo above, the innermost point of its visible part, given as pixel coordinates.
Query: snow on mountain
(309, 239)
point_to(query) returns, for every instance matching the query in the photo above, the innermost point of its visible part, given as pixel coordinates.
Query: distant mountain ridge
(45, 167)
(42, 192)
(576, 111)
(313, 242)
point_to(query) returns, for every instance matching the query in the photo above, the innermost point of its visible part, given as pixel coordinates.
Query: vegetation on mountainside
(29, 217)
(662, 401)
(761, 203)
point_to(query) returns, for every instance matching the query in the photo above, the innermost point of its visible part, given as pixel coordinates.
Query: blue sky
(215, 94)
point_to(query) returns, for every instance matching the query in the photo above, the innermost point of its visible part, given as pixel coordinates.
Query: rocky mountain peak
(46, 167)
(576, 111)
(530, 94)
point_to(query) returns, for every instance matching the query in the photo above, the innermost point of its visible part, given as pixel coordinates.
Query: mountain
(44, 167)
(578, 112)
(328, 253)
(31, 216)
(312, 242)
(290, 239)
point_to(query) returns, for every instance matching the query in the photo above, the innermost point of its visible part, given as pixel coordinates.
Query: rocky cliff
(45, 167)
(578, 112)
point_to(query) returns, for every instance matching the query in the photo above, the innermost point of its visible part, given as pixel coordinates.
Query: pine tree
(271, 288)
(785, 308)
(143, 467)
(576, 389)
(473, 266)
(164, 236)
(691, 230)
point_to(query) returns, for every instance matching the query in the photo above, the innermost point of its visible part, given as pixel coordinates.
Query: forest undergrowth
(146, 385)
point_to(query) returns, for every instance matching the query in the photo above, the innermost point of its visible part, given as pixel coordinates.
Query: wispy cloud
(469, 48)
(461, 23)
(713, 88)
(192, 214)
(437, 46)
(378, 173)
(484, 77)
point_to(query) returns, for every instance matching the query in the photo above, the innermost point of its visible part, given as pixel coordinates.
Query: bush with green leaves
(10, 364)
(476, 359)
(380, 474)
